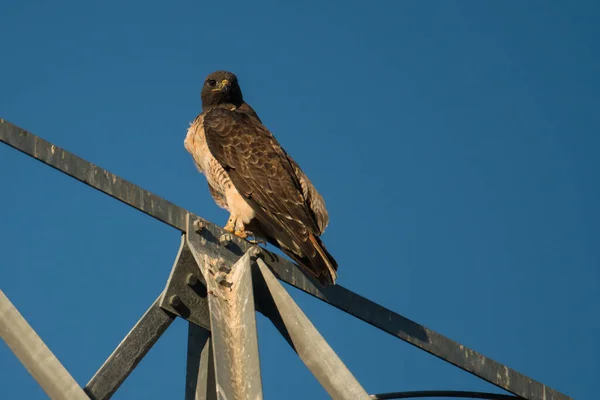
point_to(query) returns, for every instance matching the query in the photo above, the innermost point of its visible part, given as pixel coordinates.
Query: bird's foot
(257, 241)
(244, 234)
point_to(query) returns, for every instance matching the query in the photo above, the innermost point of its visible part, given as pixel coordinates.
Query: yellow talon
(241, 234)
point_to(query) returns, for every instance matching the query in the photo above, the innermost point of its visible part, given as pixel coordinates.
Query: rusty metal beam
(338, 296)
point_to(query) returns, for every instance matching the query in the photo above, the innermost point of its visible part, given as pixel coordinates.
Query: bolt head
(223, 267)
(225, 239)
(192, 280)
(175, 301)
(221, 279)
(199, 226)
(254, 252)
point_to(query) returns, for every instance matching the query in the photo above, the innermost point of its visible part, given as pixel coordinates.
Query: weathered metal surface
(33, 353)
(200, 370)
(185, 294)
(233, 324)
(305, 339)
(130, 352)
(92, 175)
(285, 270)
(232, 321)
(421, 337)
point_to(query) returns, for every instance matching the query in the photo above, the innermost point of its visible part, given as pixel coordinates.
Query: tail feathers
(323, 263)
(313, 258)
(310, 253)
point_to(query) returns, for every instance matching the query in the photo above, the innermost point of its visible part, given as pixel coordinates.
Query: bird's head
(221, 87)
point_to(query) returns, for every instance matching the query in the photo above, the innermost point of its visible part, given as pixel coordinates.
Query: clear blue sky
(455, 143)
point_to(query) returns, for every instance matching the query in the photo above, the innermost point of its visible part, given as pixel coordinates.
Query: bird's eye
(211, 82)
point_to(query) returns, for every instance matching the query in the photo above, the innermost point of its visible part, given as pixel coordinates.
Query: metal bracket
(185, 292)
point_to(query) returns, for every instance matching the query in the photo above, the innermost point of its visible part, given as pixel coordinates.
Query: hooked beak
(222, 86)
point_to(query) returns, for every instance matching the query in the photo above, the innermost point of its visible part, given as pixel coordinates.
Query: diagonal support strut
(33, 353)
(129, 352)
(307, 342)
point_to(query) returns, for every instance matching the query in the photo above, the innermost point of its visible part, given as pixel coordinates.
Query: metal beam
(33, 353)
(457, 394)
(232, 321)
(423, 338)
(130, 352)
(338, 296)
(200, 371)
(92, 175)
(305, 339)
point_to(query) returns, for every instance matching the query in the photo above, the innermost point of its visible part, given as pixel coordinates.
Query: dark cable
(443, 393)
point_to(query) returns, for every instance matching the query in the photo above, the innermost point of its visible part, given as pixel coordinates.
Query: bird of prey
(250, 175)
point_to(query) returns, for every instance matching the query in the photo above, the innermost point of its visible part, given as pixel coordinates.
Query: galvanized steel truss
(216, 283)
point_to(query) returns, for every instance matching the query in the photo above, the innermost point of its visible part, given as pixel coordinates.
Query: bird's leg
(237, 227)
(231, 223)
(242, 232)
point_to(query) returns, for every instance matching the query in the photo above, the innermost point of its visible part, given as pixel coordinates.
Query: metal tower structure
(217, 283)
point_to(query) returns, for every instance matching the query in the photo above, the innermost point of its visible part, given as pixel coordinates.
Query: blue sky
(455, 143)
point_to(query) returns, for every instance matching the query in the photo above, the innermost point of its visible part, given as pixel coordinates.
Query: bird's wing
(259, 169)
(312, 197)
(262, 173)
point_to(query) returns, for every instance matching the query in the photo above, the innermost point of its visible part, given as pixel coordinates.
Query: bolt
(225, 239)
(224, 267)
(192, 280)
(199, 225)
(175, 301)
(221, 279)
(254, 253)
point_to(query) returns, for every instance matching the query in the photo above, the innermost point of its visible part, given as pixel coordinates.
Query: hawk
(250, 175)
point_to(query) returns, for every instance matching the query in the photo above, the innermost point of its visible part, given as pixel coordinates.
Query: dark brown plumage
(287, 211)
